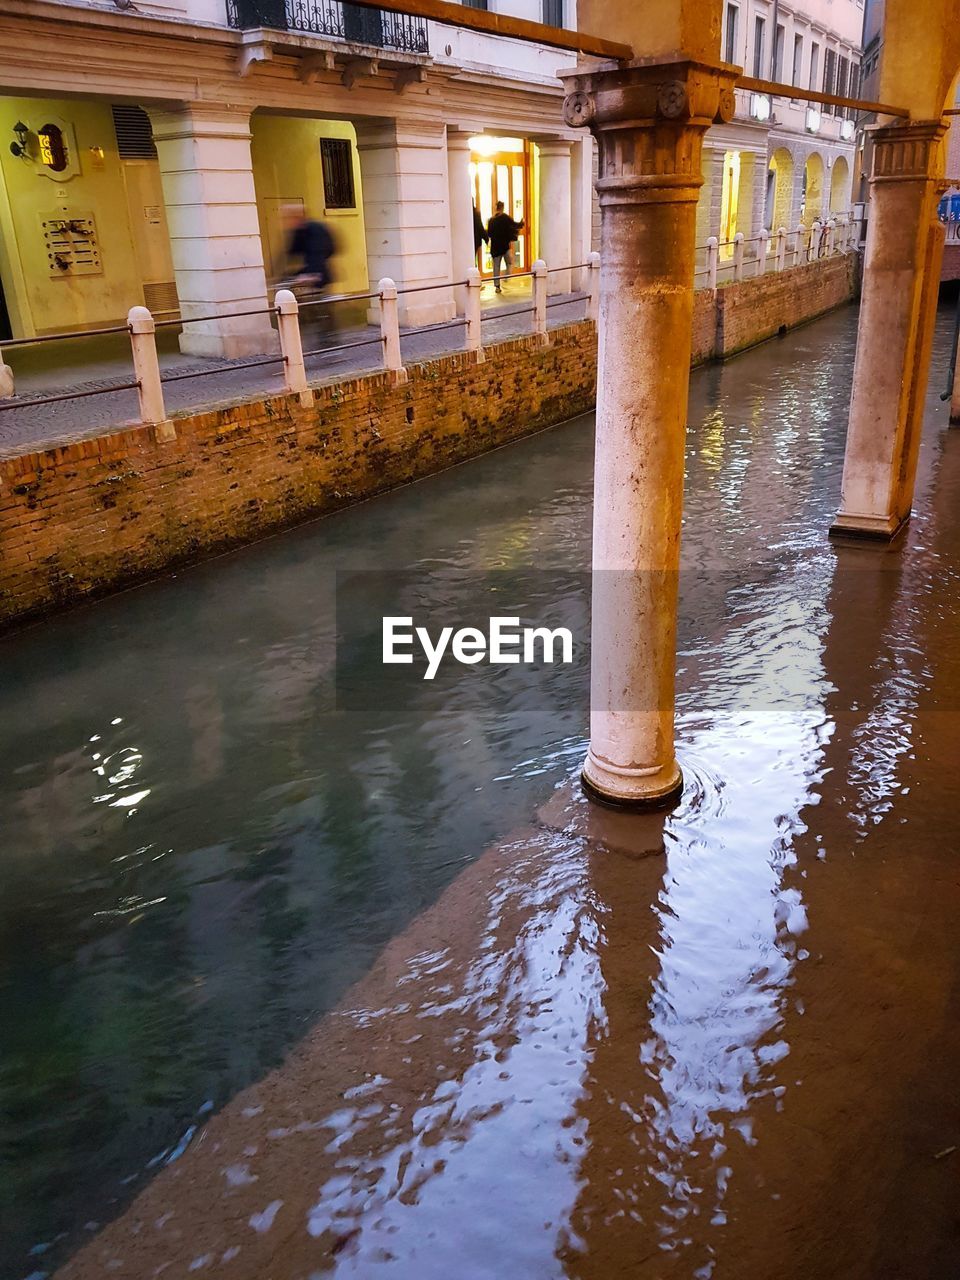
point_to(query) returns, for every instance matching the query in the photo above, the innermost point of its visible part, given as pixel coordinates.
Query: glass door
(500, 170)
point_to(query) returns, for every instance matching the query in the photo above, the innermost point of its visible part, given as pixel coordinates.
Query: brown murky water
(724, 1046)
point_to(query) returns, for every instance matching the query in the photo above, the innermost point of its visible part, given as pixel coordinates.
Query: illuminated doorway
(729, 202)
(500, 170)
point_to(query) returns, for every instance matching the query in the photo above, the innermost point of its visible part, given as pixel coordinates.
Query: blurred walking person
(310, 250)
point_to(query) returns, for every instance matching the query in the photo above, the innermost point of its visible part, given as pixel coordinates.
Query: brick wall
(756, 309)
(94, 516)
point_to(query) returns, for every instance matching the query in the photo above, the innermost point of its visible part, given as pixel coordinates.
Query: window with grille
(134, 135)
(758, 49)
(336, 158)
(553, 13)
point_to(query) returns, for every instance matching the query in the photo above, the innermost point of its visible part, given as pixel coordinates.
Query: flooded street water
(721, 1046)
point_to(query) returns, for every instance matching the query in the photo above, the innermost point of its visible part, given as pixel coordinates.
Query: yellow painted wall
(286, 169)
(39, 302)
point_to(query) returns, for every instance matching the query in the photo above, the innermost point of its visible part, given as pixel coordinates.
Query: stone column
(897, 315)
(211, 204)
(406, 211)
(581, 198)
(556, 211)
(650, 121)
(461, 210)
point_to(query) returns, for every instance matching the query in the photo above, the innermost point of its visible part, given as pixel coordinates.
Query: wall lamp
(21, 135)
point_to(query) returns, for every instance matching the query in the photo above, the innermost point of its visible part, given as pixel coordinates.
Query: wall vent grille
(134, 135)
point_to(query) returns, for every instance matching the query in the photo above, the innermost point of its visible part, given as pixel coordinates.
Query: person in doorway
(503, 232)
(310, 250)
(480, 235)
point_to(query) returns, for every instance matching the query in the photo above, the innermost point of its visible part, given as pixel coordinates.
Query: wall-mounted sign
(153, 215)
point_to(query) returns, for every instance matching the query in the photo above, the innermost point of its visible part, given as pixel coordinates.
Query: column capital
(909, 152)
(649, 118)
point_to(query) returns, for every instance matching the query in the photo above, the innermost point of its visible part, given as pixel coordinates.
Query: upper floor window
(814, 64)
(475, 4)
(797, 59)
(553, 13)
(778, 55)
(730, 35)
(758, 32)
(829, 77)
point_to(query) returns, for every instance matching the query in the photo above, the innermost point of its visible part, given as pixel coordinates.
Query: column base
(868, 528)
(630, 789)
(230, 346)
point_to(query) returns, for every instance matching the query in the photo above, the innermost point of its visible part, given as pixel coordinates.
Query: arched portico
(839, 185)
(780, 190)
(811, 205)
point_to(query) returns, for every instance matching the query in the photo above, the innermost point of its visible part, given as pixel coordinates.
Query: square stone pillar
(582, 202)
(406, 211)
(650, 120)
(555, 212)
(897, 316)
(211, 205)
(463, 253)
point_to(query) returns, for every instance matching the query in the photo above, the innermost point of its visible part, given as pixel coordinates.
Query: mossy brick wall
(756, 309)
(93, 516)
(96, 515)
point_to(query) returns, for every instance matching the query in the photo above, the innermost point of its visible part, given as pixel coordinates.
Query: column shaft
(650, 122)
(406, 209)
(556, 212)
(211, 204)
(897, 314)
(461, 210)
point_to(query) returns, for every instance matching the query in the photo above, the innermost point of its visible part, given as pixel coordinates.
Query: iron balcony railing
(341, 21)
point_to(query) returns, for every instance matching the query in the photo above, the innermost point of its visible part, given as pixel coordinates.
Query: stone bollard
(713, 255)
(539, 272)
(146, 366)
(390, 329)
(474, 330)
(762, 251)
(781, 261)
(814, 246)
(797, 255)
(6, 380)
(831, 234)
(738, 257)
(291, 345)
(593, 287)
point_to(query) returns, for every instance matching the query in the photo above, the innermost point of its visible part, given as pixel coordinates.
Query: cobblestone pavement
(97, 367)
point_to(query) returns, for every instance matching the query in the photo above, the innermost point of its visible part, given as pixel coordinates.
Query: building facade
(781, 161)
(147, 151)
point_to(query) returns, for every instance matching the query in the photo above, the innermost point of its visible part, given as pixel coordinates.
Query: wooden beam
(775, 90)
(500, 24)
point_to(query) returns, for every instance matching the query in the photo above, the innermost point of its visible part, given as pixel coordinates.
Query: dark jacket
(479, 231)
(313, 245)
(502, 231)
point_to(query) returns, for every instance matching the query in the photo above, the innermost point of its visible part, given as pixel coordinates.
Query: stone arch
(811, 205)
(779, 205)
(839, 185)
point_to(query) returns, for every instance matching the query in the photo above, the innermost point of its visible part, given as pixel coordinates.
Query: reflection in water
(580, 1062)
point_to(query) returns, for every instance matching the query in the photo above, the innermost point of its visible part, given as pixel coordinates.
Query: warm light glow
(484, 144)
(760, 107)
(813, 120)
(729, 200)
